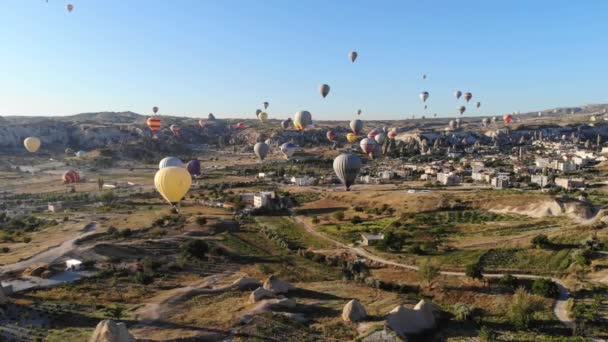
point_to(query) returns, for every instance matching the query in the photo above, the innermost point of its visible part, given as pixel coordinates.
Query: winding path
(561, 304)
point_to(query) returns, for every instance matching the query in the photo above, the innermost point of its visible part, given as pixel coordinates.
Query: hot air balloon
(202, 123)
(153, 123)
(263, 116)
(70, 7)
(324, 90)
(372, 133)
(424, 76)
(170, 162)
(211, 117)
(257, 112)
(452, 124)
(302, 120)
(368, 146)
(265, 104)
(485, 122)
(359, 112)
(478, 104)
(424, 95)
(71, 176)
(81, 154)
(356, 126)
(457, 94)
(462, 109)
(261, 150)
(331, 136)
(175, 129)
(268, 142)
(380, 137)
(353, 56)
(32, 144)
(172, 183)
(351, 137)
(540, 114)
(346, 167)
(194, 167)
(468, 96)
(458, 122)
(240, 125)
(593, 118)
(288, 149)
(507, 118)
(155, 110)
(285, 123)
(434, 115)
(494, 119)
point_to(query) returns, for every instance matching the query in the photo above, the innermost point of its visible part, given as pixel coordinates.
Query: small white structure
(262, 199)
(54, 207)
(303, 181)
(541, 180)
(73, 265)
(448, 178)
(370, 239)
(570, 183)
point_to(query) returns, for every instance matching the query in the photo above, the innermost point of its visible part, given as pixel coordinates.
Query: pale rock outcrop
(259, 294)
(110, 331)
(353, 311)
(246, 283)
(405, 321)
(277, 285)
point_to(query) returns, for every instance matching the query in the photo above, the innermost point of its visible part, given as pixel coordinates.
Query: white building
(303, 181)
(371, 239)
(54, 207)
(570, 183)
(262, 199)
(501, 182)
(448, 178)
(541, 180)
(387, 175)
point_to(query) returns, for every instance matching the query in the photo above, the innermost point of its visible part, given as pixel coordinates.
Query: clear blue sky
(193, 57)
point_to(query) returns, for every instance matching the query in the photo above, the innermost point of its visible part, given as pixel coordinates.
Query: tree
(487, 335)
(522, 307)
(474, 270)
(143, 278)
(107, 196)
(508, 281)
(545, 287)
(114, 312)
(462, 311)
(356, 219)
(194, 249)
(541, 241)
(392, 240)
(428, 272)
(201, 220)
(315, 220)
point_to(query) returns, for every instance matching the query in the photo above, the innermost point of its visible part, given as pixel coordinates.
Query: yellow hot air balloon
(263, 116)
(173, 183)
(351, 137)
(31, 144)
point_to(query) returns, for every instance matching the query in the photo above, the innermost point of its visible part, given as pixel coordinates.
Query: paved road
(561, 304)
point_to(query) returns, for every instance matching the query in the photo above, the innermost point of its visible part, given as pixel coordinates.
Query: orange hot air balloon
(507, 118)
(154, 123)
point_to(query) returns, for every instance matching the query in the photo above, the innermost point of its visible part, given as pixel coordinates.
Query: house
(73, 265)
(541, 180)
(369, 179)
(387, 175)
(566, 165)
(262, 199)
(264, 175)
(371, 239)
(54, 207)
(303, 181)
(501, 182)
(448, 178)
(570, 183)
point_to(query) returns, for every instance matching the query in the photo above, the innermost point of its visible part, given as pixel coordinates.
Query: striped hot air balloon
(70, 176)
(153, 123)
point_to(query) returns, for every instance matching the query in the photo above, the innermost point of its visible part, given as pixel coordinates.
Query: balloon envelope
(380, 138)
(261, 150)
(288, 149)
(457, 94)
(172, 183)
(32, 144)
(353, 56)
(302, 120)
(71, 176)
(153, 123)
(424, 96)
(330, 135)
(263, 116)
(356, 126)
(324, 90)
(155, 110)
(347, 167)
(468, 96)
(265, 105)
(351, 137)
(194, 167)
(368, 146)
(170, 162)
(285, 123)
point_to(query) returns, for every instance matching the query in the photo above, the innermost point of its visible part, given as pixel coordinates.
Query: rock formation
(277, 285)
(110, 331)
(353, 311)
(405, 321)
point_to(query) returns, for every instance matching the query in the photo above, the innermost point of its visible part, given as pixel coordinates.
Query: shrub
(315, 220)
(201, 220)
(487, 335)
(521, 309)
(338, 215)
(125, 233)
(356, 220)
(88, 264)
(474, 270)
(196, 249)
(27, 239)
(359, 209)
(508, 281)
(545, 287)
(143, 278)
(462, 311)
(428, 272)
(541, 241)
(112, 230)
